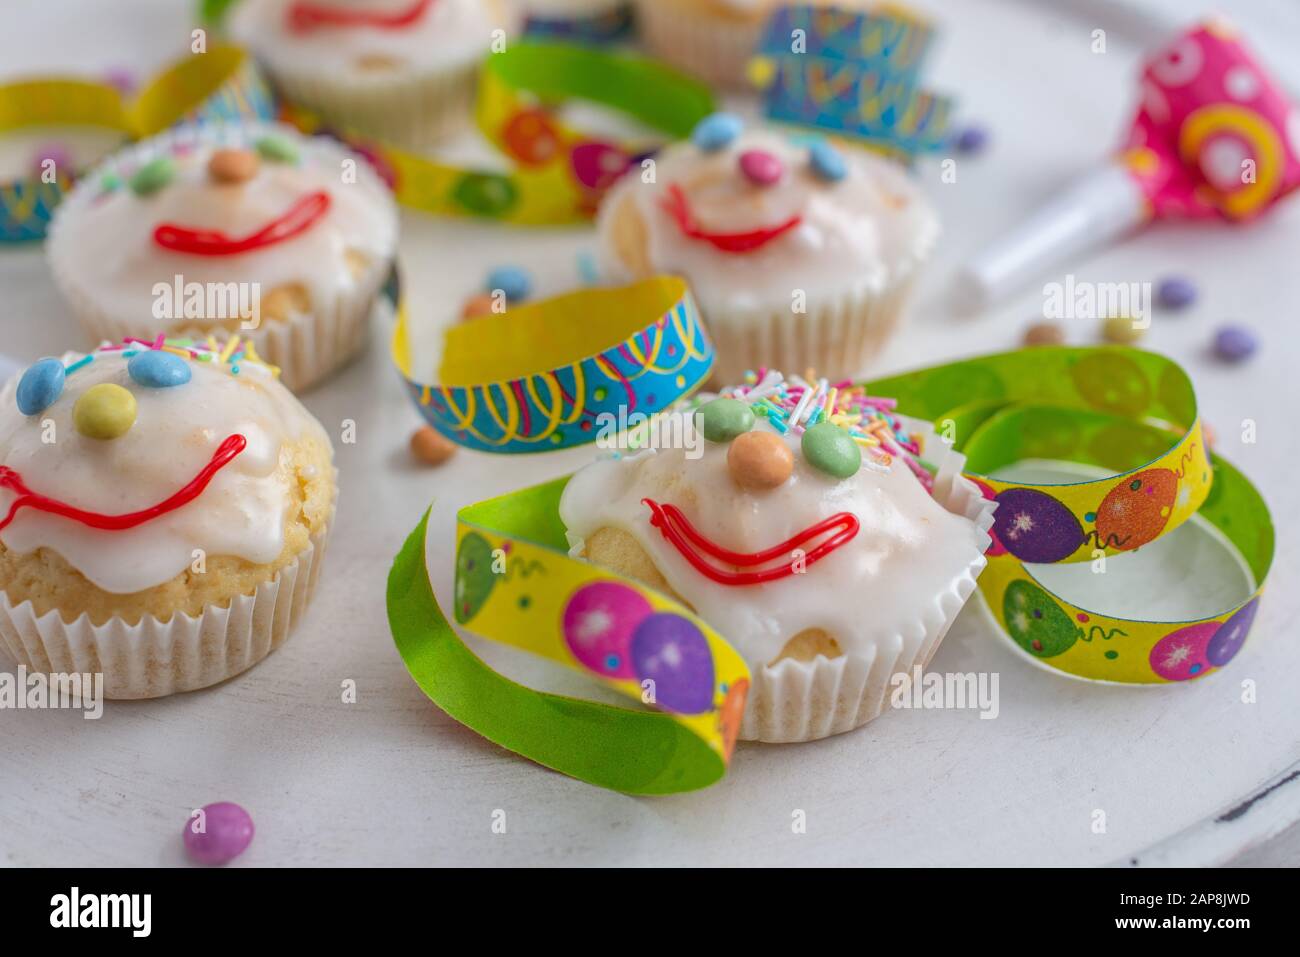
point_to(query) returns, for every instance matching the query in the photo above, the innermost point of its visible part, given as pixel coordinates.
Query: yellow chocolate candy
(104, 411)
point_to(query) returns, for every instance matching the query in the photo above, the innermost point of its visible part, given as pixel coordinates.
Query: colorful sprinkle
(40, 386)
(717, 132)
(796, 406)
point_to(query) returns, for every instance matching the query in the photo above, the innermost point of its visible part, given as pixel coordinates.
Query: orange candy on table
(430, 446)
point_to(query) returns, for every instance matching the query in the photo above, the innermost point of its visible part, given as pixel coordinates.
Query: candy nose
(104, 411)
(759, 460)
(761, 167)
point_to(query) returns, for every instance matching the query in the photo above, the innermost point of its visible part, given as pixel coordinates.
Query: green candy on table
(831, 449)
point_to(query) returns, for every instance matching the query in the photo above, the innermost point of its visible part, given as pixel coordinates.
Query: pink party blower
(1213, 137)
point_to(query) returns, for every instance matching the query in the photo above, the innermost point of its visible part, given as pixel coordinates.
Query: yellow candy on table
(1121, 330)
(104, 411)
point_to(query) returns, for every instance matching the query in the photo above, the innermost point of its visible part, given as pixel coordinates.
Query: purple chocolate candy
(226, 831)
(1175, 292)
(1235, 343)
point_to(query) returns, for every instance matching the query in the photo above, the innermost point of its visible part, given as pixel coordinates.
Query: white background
(391, 780)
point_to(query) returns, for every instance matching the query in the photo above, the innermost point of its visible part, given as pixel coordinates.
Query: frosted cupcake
(163, 512)
(809, 532)
(712, 39)
(402, 71)
(256, 230)
(799, 254)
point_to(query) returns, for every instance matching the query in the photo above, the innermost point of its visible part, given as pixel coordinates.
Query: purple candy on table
(972, 139)
(1175, 292)
(226, 831)
(1235, 343)
(761, 167)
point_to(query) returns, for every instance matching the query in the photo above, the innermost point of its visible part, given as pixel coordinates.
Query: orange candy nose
(233, 166)
(759, 460)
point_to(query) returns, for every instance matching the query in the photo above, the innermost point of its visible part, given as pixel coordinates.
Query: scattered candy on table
(761, 167)
(717, 132)
(513, 281)
(226, 831)
(104, 411)
(1044, 334)
(477, 305)
(1175, 292)
(759, 460)
(972, 139)
(430, 446)
(1121, 330)
(1235, 343)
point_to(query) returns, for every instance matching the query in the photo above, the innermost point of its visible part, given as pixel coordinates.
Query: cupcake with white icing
(829, 540)
(800, 254)
(164, 507)
(250, 229)
(401, 71)
(712, 39)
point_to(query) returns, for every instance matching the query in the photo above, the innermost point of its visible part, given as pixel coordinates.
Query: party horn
(1214, 138)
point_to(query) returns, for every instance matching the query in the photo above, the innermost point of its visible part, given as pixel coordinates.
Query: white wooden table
(391, 780)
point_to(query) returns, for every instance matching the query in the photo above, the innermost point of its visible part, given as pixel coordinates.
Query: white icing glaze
(908, 550)
(241, 513)
(103, 242)
(451, 32)
(559, 9)
(864, 231)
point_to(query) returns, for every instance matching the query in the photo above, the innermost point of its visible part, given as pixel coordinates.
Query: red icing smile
(679, 208)
(11, 480)
(686, 538)
(304, 16)
(300, 217)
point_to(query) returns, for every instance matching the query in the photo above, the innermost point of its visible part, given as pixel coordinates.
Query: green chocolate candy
(152, 176)
(277, 149)
(721, 420)
(830, 449)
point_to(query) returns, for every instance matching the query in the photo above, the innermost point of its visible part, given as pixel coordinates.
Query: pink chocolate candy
(761, 167)
(225, 830)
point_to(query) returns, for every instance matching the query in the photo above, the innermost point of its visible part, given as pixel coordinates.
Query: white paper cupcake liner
(713, 48)
(838, 337)
(411, 110)
(307, 347)
(802, 701)
(155, 658)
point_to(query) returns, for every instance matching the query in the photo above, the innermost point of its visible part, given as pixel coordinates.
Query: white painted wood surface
(391, 780)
